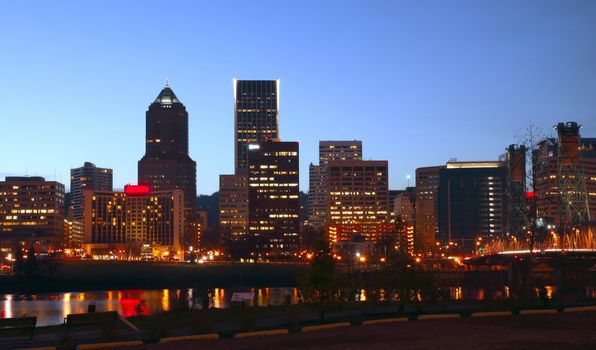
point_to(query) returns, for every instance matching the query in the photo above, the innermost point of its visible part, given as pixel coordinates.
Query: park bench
(104, 321)
(18, 323)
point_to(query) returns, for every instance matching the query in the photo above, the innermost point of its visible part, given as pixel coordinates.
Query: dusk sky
(419, 82)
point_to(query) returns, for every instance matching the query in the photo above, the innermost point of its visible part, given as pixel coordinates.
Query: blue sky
(419, 82)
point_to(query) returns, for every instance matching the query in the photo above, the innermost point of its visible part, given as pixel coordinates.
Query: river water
(52, 308)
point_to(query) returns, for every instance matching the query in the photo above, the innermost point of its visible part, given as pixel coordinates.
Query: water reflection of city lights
(66, 307)
(7, 313)
(165, 300)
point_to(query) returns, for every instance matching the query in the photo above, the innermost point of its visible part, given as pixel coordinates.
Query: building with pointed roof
(166, 164)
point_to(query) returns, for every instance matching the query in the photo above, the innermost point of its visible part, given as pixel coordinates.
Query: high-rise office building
(404, 215)
(565, 181)
(166, 164)
(357, 201)
(273, 200)
(87, 177)
(256, 110)
(545, 166)
(124, 221)
(233, 209)
(328, 150)
(339, 150)
(317, 205)
(517, 215)
(426, 231)
(32, 210)
(472, 202)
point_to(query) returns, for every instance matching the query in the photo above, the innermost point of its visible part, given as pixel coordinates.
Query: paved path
(532, 332)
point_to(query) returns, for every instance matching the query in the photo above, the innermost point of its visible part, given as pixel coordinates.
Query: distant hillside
(210, 203)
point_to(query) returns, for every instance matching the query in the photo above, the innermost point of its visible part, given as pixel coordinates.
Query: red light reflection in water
(132, 304)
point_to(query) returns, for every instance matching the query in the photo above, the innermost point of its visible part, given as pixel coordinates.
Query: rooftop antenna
(167, 82)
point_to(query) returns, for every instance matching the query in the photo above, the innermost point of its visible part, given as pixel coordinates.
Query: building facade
(87, 177)
(233, 209)
(32, 210)
(273, 199)
(357, 201)
(73, 232)
(517, 207)
(404, 204)
(166, 164)
(557, 177)
(404, 215)
(328, 151)
(256, 111)
(115, 221)
(426, 231)
(472, 202)
(339, 150)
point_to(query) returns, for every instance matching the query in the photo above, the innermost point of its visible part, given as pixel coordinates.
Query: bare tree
(531, 137)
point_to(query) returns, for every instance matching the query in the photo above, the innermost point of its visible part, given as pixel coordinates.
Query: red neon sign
(137, 190)
(530, 195)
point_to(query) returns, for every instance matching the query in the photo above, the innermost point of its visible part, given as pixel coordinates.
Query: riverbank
(72, 276)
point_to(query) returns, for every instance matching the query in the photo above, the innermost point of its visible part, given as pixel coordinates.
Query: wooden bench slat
(105, 321)
(19, 323)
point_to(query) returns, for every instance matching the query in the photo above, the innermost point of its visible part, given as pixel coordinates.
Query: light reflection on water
(52, 308)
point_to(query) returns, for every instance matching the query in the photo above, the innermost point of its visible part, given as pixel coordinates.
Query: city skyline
(541, 72)
(338, 174)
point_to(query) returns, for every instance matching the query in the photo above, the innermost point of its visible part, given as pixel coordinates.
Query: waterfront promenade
(530, 332)
(568, 328)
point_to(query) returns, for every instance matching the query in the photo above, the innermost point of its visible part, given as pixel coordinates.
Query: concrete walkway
(530, 332)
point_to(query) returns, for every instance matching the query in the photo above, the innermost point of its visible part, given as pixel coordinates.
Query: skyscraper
(426, 231)
(472, 202)
(517, 207)
(166, 164)
(357, 201)
(317, 205)
(328, 150)
(256, 110)
(565, 178)
(233, 209)
(273, 203)
(87, 177)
